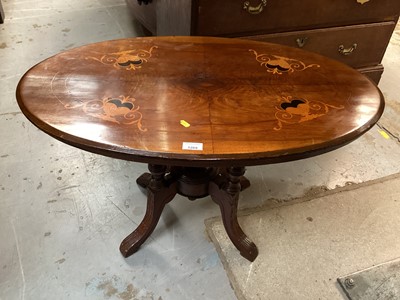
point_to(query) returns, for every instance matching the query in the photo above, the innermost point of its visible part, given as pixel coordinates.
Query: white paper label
(192, 146)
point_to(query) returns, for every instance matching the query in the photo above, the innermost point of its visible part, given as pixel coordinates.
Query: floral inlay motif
(121, 110)
(278, 64)
(128, 60)
(294, 111)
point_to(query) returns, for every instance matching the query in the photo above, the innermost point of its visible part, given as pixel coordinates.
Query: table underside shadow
(162, 184)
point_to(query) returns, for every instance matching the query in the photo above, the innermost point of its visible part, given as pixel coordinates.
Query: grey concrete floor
(303, 249)
(63, 212)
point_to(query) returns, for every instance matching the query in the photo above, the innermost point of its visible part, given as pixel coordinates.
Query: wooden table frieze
(198, 110)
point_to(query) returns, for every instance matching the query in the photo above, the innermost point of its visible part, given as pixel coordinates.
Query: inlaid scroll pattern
(294, 111)
(128, 60)
(278, 64)
(121, 110)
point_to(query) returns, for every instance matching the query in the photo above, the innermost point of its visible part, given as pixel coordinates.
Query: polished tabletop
(199, 101)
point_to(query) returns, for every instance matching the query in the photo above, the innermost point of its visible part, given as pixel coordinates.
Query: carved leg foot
(159, 193)
(227, 197)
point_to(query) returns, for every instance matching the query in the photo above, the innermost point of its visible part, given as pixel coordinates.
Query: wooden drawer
(145, 14)
(362, 45)
(228, 17)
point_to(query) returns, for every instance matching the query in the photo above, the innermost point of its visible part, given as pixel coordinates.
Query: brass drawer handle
(362, 1)
(347, 51)
(254, 10)
(301, 41)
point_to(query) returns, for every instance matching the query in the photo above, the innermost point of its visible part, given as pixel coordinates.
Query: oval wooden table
(198, 110)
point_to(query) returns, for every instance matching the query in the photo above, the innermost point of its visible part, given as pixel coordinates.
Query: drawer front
(357, 46)
(238, 17)
(145, 14)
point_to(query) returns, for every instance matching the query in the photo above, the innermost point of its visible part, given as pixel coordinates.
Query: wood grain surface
(239, 102)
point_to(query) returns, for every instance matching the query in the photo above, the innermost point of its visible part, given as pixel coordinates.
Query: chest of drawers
(355, 32)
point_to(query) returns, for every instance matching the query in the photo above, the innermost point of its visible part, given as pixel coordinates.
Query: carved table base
(162, 184)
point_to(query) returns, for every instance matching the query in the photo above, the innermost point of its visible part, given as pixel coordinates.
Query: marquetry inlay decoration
(297, 110)
(121, 110)
(128, 59)
(278, 64)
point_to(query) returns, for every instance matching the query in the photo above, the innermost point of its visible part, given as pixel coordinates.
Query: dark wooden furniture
(198, 110)
(355, 32)
(1, 13)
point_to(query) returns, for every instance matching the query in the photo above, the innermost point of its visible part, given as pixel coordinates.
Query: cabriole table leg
(159, 193)
(227, 197)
